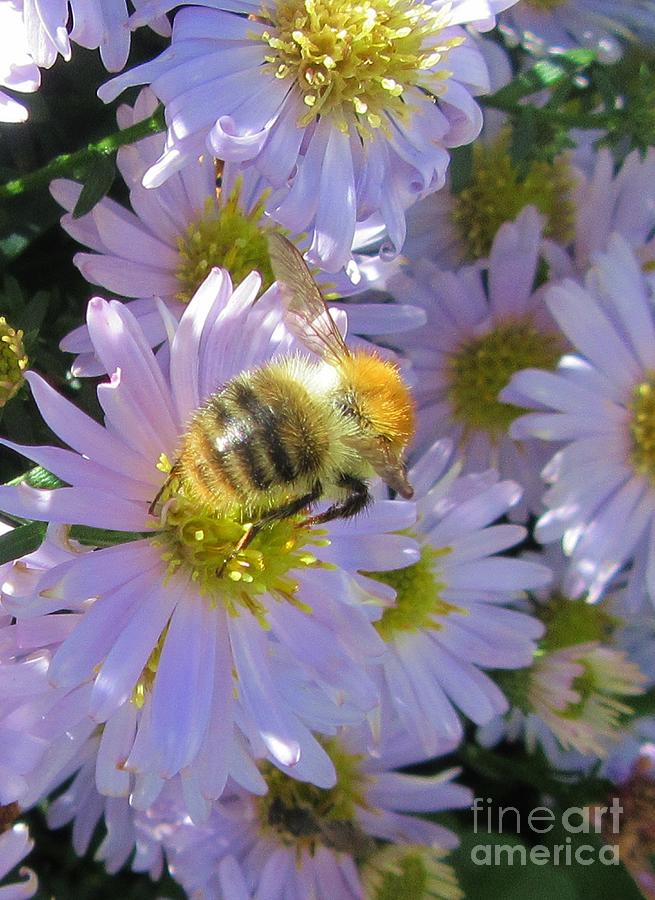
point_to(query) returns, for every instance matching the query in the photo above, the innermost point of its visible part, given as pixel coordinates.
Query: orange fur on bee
(384, 399)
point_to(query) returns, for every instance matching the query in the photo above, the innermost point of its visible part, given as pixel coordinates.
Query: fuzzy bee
(275, 439)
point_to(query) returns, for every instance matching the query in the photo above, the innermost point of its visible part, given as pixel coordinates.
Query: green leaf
(22, 540)
(493, 866)
(32, 316)
(76, 165)
(13, 300)
(105, 537)
(99, 179)
(38, 477)
(544, 74)
(461, 168)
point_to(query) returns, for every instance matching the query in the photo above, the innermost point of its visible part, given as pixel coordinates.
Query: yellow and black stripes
(261, 432)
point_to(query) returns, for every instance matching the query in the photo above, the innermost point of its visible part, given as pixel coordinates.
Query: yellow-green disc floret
(358, 58)
(410, 872)
(574, 622)
(419, 603)
(13, 361)
(481, 367)
(224, 236)
(498, 191)
(301, 814)
(642, 427)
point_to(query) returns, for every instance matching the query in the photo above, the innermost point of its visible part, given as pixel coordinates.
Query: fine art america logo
(574, 821)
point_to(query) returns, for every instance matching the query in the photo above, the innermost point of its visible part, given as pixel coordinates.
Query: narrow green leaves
(21, 540)
(105, 537)
(38, 477)
(543, 75)
(97, 181)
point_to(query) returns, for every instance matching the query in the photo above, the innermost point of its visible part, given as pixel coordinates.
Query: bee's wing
(307, 314)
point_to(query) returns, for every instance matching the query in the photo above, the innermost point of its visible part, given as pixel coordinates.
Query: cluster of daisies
(247, 721)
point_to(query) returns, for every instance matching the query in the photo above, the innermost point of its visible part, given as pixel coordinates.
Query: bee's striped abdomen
(267, 421)
(262, 434)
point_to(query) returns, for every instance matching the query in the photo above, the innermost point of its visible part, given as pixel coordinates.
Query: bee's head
(385, 411)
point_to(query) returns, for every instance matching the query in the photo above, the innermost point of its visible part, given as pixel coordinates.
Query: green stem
(70, 164)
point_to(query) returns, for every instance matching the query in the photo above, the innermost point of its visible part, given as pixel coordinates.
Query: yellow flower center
(13, 361)
(419, 603)
(358, 58)
(499, 191)
(482, 366)
(225, 236)
(302, 815)
(413, 872)
(194, 538)
(570, 621)
(642, 427)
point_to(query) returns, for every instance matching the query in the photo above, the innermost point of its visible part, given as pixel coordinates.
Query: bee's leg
(273, 515)
(358, 499)
(173, 472)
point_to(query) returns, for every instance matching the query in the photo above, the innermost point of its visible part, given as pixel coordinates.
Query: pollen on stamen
(358, 58)
(13, 361)
(194, 539)
(225, 236)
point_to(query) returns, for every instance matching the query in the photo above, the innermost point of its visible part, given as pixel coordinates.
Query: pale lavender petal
(86, 436)
(73, 506)
(184, 683)
(129, 654)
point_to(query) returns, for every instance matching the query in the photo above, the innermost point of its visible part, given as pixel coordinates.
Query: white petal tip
(287, 753)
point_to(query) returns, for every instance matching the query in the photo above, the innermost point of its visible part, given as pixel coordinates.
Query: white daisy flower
(453, 618)
(348, 111)
(484, 324)
(599, 403)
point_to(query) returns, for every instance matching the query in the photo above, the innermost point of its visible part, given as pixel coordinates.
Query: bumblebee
(274, 440)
